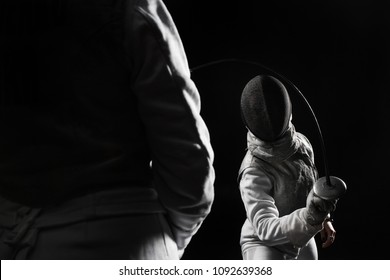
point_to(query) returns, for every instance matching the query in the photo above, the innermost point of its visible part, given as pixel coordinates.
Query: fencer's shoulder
(305, 146)
(304, 141)
(248, 158)
(248, 161)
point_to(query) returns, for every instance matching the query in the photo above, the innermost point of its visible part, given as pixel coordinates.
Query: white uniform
(275, 179)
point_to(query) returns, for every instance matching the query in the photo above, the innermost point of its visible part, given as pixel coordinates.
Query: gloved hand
(317, 209)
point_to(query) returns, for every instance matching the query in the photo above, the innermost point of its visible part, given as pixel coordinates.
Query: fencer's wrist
(314, 218)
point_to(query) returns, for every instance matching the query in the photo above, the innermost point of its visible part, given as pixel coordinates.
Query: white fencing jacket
(275, 179)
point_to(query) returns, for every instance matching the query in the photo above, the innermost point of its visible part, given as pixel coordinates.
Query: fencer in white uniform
(276, 180)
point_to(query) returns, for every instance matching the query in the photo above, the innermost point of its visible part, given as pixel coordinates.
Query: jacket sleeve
(262, 213)
(169, 106)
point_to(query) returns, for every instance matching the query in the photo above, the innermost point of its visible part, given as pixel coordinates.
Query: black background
(337, 54)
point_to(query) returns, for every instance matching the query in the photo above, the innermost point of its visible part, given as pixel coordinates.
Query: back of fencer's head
(266, 107)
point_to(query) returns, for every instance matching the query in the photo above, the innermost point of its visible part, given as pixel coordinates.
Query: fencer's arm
(309, 219)
(256, 190)
(169, 105)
